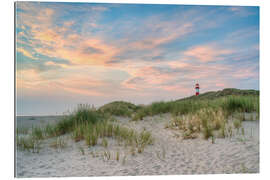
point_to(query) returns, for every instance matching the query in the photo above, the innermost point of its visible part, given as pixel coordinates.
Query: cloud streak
(207, 53)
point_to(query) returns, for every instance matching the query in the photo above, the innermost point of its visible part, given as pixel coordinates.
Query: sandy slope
(169, 155)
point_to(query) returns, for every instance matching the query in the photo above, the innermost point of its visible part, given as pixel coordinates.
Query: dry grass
(237, 123)
(58, 143)
(107, 155)
(29, 143)
(104, 142)
(208, 122)
(117, 156)
(91, 138)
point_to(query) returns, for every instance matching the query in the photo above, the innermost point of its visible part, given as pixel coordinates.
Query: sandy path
(168, 155)
(230, 155)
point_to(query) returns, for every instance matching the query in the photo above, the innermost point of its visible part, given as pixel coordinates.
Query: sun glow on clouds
(91, 52)
(26, 53)
(207, 53)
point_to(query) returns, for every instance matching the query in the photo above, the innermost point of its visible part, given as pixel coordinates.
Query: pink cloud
(59, 42)
(75, 52)
(33, 80)
(28, 79)
(245, 73)
(147, 77)
(68, 23)
(177, 88)
(51, 63)
(94, 51)
(207, 53)
(26, 53)
(220, 85)
(72, 47)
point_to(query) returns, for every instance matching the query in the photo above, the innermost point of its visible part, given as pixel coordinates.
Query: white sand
(170, 155)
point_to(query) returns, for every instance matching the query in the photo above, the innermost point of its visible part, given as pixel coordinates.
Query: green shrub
(84, 114)
(65, 125)
(160, 107)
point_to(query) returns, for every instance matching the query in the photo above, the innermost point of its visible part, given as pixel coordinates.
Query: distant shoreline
(38, 115)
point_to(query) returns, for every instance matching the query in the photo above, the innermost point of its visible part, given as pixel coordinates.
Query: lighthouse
(197, 87)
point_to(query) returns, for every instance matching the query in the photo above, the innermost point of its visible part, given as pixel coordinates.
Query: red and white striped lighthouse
(197, 87)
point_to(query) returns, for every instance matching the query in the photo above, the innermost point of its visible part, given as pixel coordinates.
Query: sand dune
(169, 155)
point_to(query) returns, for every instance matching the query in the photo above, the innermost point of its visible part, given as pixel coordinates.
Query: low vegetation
(229, 104)
(88, 124)
(119, 108)
(204, 121)
(206, 115)
(58, 143)
(28, 143)
(97, 133)
(22, 130)
(214, 116)
(37, 133)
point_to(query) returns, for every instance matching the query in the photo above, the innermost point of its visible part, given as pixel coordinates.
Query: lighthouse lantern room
(197, 87)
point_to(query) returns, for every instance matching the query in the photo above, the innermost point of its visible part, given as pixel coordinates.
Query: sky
(93, 53)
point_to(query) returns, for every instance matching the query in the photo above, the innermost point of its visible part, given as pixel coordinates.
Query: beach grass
(107, 155)
(204, 121)
(28, 143)
(117, 156)
(105, 142)
(237, 123)
(229, 100)
(49, 131)
(58, 143)
(119, 108)
(87, 123)
(204, 114)
(22, 130)
(37, 133)
(229, 105)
